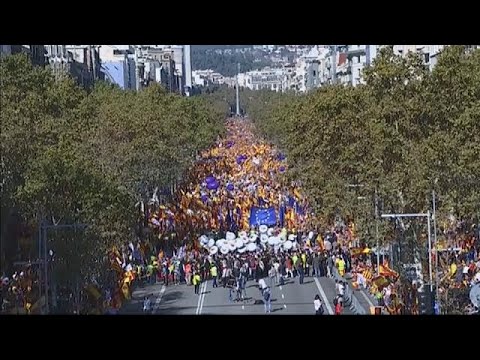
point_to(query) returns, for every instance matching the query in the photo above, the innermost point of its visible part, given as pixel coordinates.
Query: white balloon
(213, 250)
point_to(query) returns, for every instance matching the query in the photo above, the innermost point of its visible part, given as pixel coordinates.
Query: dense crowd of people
(227, 181)
(230, 179)
(209, 231)
(459, 263)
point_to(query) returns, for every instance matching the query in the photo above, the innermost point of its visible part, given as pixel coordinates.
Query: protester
(318, 305)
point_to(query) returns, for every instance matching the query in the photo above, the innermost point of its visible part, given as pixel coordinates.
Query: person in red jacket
(338, 305)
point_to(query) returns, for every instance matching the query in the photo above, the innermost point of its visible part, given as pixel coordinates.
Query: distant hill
(220, 47)
(226, 63)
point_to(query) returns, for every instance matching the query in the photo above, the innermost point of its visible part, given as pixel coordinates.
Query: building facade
(36, 53)
(118, 66)
(429, 52)
(82, 62)
(272, 79)
(5, 50)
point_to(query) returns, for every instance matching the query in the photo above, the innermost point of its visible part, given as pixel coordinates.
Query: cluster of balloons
(212, 183)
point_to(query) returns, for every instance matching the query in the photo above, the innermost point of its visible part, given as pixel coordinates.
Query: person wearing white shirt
(262, 284)
(317, 303)
(146, 304)
(337, 287)
(361, 280)
(276, 266)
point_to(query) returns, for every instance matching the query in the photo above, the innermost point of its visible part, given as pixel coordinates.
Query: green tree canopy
(405, 132)
(89, 158)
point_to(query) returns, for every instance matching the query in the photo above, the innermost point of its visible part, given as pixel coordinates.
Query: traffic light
(426, 301)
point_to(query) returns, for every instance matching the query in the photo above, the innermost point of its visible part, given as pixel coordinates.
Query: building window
(427, 57)
(314, 73)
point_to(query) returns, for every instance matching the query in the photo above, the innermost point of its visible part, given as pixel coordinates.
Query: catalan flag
(387, 272)
(368, 275)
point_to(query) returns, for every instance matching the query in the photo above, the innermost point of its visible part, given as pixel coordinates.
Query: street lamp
(437, 280)
(45, 257)
(376, 221)
(428, 216)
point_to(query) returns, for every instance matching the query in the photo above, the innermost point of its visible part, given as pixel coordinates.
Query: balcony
(356, 50)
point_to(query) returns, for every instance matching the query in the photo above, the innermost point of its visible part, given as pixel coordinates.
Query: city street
(289, 299)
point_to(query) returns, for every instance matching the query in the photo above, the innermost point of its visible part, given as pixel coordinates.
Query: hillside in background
(225, 62)
(220, 47)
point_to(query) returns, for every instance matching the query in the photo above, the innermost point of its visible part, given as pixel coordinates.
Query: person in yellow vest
(295, 259)
(341, 266)
(196, 282)
(304, 258)
(171, 268)
(304, 262)
(453, 269)
(214, 273)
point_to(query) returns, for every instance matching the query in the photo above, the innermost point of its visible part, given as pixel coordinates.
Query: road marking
(324, 297)
(243, 307)
(283, 296)
(285, 306)
(159, 298)
(366, 298)
(281, 288)
(201, 298)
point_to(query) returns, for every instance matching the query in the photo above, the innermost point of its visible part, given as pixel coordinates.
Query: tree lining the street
(406, 132)
(77, 157)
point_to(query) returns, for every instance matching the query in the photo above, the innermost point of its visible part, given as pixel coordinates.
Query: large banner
(260, 216)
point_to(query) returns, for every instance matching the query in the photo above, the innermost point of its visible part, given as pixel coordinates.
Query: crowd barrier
(349, 298)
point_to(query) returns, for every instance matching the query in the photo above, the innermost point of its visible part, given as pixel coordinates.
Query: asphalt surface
(290, 299)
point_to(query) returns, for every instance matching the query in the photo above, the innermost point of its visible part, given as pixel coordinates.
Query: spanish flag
(320, 242)
(380, 281)
(126, 291)
(356, 251)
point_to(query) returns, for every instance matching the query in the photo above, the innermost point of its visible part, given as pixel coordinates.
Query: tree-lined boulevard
(128, 175)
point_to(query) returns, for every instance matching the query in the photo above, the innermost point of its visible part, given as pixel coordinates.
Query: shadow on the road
(206, 292)
(300, 303)
(190, 310)
(171, 297)
(308, 282)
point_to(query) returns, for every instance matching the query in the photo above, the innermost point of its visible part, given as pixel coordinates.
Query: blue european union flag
(259, 216)
(291, 201)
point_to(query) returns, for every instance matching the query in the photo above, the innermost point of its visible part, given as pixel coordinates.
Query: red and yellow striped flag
(368, 274)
